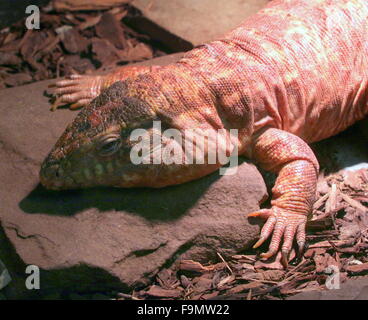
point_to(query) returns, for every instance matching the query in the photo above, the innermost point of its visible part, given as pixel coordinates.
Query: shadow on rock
(347, 150)
(163, 204)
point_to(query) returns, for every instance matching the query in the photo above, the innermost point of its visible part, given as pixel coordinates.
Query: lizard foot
(283, 224)
(76, 90)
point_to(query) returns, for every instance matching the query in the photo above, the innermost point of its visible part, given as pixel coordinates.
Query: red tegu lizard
(292, 74)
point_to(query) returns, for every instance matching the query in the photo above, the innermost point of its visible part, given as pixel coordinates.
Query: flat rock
(106, 238)
(181, 25)
(352, 289)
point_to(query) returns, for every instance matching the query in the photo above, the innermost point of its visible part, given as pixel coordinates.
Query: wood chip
(78, 5)
(225, 281)
(17, 79)
(357, 268)
(251, 258)
(202, 284)
(211, 295)
(53, 51)
(324, 261)
(127, 296)
(311, 252)
(74, 42)
(190, 265)
(320, 201)
(90, 22)
(331, 203)
(12, 46)
(109, 28)
(226, 264)
(245, 287)
(156, 291)
(185, 282)
(9, 58)
(104, 51)
(353, 180)
(354, 203)
(137, 53)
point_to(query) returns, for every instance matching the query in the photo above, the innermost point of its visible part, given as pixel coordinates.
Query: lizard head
(110, 143)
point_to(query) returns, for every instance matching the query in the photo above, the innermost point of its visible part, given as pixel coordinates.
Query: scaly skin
(294, 73)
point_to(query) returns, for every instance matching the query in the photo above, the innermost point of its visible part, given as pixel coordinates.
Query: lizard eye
(109, 145)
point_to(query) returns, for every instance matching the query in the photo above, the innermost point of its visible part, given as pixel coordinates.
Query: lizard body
(292, 74)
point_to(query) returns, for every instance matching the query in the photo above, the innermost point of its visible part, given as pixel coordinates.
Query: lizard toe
(80, 103)
(77, 90)
(282, 225)
(263, 213)
(266, 231)
(300, 239)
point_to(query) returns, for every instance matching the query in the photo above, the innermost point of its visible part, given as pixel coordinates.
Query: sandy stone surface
(184, 24)
(105, 238)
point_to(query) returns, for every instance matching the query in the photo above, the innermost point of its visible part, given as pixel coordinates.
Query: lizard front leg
(80, 90)
(294, 191)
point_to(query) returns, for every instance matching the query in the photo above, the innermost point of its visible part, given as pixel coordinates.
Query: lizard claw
(283, 224)
(76, 90)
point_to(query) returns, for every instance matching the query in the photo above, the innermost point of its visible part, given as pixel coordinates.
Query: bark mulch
(337, 237)
(71, 42)
(81, 42)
